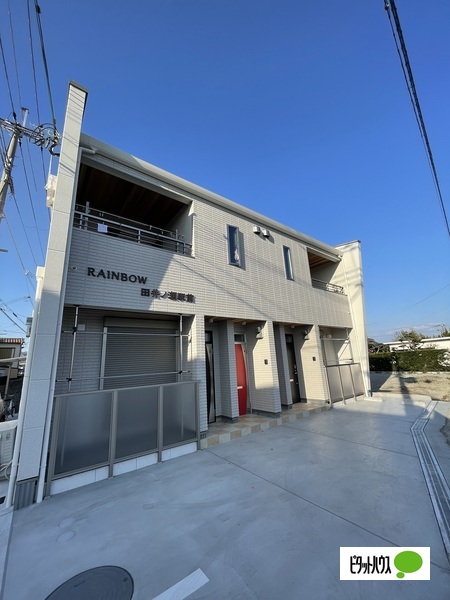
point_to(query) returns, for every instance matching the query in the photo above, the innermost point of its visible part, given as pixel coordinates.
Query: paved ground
(263, 516)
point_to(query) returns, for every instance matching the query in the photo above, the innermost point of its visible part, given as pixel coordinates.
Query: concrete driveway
(261, 517)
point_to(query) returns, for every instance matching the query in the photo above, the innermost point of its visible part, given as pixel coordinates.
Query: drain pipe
(72, 358)
(180, 349)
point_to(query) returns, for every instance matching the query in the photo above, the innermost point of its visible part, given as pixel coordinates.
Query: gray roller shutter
(140, 356)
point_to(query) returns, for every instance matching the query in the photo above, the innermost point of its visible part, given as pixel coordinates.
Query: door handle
(240, 387)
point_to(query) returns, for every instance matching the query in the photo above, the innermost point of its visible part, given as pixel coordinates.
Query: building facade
(163, 307)
(441, 343)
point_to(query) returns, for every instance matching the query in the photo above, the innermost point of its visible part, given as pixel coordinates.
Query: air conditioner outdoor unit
(7, 438)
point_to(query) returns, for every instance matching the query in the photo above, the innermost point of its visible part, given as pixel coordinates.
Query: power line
(33, 67)
(410, 84)
(11, 311)
(14, 51)
(430, 296)
(44, 59)
(23, 227)
(25, 271)
(7, 79)
(31, 200)
(12, 320)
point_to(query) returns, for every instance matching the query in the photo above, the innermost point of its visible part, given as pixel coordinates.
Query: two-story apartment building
(163, 307)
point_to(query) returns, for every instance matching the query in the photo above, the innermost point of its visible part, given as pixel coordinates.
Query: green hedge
(419, 361)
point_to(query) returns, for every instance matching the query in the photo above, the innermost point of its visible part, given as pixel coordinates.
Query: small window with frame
(234, 250)
(288, 263)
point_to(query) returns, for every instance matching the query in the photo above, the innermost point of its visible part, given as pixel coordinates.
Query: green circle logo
(407, 562)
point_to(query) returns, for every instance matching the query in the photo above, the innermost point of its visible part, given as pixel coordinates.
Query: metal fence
(345, 381)
(328, 287)
(126, 229)
(101, 428)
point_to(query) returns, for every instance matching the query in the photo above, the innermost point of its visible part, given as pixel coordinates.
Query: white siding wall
(258, 291)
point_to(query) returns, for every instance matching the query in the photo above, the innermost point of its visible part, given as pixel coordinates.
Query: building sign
(131, 278)
(117, 275)
(177, 296)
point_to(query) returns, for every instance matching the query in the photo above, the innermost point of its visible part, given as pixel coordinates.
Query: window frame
(234, 246)
(288, 270)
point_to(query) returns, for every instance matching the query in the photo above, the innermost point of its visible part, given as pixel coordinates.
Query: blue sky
(298, 110)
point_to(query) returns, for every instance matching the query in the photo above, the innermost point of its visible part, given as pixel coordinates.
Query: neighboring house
(442, 343)
(10, 348)
(163, 307)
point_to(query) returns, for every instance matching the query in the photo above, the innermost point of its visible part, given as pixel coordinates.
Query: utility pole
(43, 136)
(5, 181)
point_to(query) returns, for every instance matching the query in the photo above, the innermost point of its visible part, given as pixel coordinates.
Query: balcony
(126, 229)
(328, 287)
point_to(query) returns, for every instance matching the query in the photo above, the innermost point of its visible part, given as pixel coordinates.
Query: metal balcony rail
(126, 229)
(328, 287)
(102, 428)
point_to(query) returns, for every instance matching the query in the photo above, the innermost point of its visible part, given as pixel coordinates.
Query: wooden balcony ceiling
(124, 198)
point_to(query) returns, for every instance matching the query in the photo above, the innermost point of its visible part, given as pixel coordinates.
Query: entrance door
(241, 375)
(210, 392)
(293, 370)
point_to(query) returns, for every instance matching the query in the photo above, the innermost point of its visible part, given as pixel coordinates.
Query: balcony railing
(328, 287)
(103, 428)
(126, 229)
(345, 381)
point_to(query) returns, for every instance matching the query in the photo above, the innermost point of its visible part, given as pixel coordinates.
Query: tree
(444, 331)
(411, 338)
(375, 347)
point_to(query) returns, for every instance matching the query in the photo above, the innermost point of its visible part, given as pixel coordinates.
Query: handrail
(328, 287)
(103, 222)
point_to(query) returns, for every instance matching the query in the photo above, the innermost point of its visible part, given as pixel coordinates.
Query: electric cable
(23, 226)
(31, 164)
(407, 72)
(26, 272)
(14, 52)
(12, 320)
(33, 68)
(7, 79)
(11, 311)
(31, 200)
(44, 59)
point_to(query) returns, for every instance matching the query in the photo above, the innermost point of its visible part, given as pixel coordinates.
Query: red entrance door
(241, 373)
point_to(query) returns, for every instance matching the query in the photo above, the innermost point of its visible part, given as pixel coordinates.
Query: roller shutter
(139, 356)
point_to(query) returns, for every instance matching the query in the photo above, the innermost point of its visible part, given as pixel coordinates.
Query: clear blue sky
(296, 109)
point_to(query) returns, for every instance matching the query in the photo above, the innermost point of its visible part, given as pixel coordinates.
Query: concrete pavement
(261, 517)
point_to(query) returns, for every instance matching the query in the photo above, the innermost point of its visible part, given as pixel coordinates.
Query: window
(234, 251)
(287, 262)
